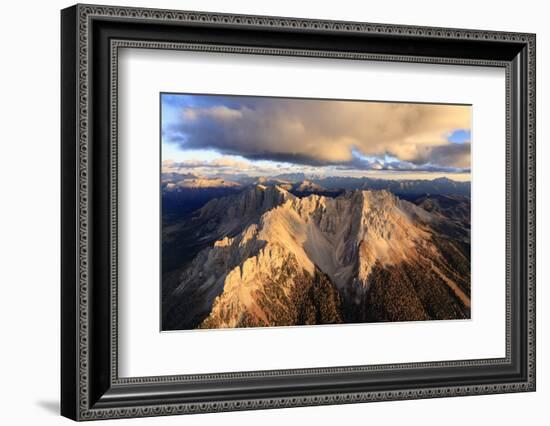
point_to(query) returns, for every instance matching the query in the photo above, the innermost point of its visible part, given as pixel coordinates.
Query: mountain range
(443, 185)
(282, 253)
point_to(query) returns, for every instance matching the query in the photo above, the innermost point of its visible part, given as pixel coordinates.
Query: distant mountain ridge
(408, 187)
(442, 185)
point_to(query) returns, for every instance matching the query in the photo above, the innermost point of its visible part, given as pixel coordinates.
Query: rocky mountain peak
(272, 245)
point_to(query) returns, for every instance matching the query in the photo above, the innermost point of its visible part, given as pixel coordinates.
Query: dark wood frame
(91, 37)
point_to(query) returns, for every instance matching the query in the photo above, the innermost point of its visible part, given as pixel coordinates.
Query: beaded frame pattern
(86, 12)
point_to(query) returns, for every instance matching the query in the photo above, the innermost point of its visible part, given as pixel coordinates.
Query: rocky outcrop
(284, 260)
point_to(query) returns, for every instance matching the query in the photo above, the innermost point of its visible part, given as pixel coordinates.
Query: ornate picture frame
(91, 37)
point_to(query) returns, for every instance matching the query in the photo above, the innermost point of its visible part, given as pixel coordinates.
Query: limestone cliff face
(271, 289)
(284, 260)
(227, 215)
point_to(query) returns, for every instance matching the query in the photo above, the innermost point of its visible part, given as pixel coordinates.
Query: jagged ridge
(353, 241)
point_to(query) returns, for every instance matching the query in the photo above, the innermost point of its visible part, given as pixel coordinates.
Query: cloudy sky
(211, 134)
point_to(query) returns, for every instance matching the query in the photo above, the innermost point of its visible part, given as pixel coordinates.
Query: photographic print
(289, 211)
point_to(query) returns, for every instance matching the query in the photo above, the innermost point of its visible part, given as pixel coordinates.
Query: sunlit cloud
(319, 133)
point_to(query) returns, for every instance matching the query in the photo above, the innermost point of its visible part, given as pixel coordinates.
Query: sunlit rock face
(271, 258)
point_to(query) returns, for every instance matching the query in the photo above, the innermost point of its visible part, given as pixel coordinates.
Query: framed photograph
(263, 212)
